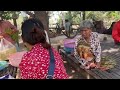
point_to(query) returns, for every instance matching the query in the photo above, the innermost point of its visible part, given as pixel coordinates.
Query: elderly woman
(87, 46)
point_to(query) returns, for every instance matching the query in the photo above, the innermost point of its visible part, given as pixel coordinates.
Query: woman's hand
(97, 64)
(90, 65)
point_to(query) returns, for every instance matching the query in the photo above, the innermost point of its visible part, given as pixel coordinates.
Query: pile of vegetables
(5, 53)
(13, 34)
(108, 62)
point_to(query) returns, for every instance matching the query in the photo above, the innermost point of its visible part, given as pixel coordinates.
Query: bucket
(69, 45)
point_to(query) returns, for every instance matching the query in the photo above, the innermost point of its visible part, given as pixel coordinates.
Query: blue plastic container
(69, 45)
(69, 50)
(3, 64)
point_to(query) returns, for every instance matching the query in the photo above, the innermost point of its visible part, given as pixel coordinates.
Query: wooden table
(113, 73)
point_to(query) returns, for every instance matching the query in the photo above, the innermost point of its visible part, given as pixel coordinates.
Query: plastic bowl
(16, 58)
(68, 50)
(70, 43)
(3, 64)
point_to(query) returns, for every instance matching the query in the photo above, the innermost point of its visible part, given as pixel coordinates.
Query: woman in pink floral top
(35, 62)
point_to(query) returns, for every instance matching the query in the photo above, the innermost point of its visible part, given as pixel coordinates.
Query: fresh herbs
(13, 34)
(108, 62)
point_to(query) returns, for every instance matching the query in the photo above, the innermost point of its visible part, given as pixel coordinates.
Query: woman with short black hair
(35, 63)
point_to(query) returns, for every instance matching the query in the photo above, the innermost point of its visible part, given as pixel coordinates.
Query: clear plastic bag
(6, 49)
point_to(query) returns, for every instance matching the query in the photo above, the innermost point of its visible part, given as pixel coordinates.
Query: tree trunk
(15, 23)
(70, 17)
(1, 17)
(83, 15)
(43, 16)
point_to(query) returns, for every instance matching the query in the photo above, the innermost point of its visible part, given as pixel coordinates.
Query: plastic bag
(6, 49)
(69, 45)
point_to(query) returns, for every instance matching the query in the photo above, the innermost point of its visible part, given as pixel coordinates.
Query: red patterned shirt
(35, 64)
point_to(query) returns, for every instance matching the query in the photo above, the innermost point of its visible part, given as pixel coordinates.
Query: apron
(84, 51)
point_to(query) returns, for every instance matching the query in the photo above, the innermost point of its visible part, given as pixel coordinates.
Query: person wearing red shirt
(116, 33)
(35, 62)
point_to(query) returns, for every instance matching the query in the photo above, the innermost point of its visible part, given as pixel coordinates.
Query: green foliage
(108, 62)
(59, 20)
(106, 16)
(7, 15)
(73, 16)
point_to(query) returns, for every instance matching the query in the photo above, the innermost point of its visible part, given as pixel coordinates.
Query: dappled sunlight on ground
(88, 77)
(73, 71)
(70, 77)
(74, 74)
(65, 62)
(111, 50)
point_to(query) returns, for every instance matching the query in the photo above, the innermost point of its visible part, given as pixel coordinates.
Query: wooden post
(15, 22)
